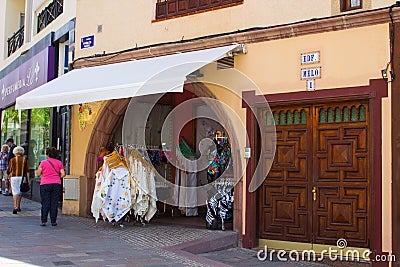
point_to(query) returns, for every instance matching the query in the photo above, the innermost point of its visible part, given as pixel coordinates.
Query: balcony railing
(171, 8)
(15, 41)
(50, 13)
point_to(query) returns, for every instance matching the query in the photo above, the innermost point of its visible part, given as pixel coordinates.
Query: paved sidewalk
(80, 241)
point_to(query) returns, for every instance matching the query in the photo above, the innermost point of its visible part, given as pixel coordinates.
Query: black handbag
(24, 185)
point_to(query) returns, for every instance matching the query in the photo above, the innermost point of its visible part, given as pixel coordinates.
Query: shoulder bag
(51, 164)
(24, 187)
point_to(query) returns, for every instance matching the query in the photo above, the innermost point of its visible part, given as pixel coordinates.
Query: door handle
(314, 191)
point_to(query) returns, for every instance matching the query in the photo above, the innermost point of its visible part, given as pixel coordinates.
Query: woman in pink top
(52, 171)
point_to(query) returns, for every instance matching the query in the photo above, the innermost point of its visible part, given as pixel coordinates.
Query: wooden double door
(318, 188)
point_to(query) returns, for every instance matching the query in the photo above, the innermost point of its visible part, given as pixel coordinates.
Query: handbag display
(24, 185)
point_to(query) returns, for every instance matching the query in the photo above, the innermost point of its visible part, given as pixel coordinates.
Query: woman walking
(52, 171)
(17, 168)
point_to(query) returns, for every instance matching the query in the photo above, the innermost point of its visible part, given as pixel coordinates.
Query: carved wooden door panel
(285, 210)
(321, 147)
(341, 174)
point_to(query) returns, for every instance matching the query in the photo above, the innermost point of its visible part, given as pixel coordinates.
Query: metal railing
(15, 41)
(50, 13)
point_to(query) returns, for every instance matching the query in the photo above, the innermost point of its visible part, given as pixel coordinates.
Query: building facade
(37, 46)
(327, 71)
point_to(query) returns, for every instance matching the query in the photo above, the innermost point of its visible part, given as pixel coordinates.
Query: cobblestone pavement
(78, 241)
(245, 258)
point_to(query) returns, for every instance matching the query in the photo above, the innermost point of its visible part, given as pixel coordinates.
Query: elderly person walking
(3, 167)
(52, 171)
(17, 168)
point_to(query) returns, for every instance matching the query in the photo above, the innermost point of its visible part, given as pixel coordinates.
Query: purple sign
(31, 74)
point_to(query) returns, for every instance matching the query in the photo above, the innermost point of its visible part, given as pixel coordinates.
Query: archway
(113, 113)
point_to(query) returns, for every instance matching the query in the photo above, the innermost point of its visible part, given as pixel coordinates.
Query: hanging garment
(221, 159)
(145, 205)
(220, 209)
(155, 157)
(97, 201)
(185, 189)
(116, 194)
(112, 193)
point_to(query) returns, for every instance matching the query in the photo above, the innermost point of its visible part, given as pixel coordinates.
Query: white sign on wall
(310, 85)
(311, 73)
(309, 58)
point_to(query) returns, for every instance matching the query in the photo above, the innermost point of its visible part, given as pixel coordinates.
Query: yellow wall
(80, 141)
(275, 67)
(130, 23)
(69, 13)
(348, 58)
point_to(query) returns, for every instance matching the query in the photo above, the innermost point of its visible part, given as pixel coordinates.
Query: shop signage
(29, 75)
(87, 41)
(309, 58)
(311, 73)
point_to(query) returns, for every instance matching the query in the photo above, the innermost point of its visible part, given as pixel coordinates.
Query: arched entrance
(113, 114)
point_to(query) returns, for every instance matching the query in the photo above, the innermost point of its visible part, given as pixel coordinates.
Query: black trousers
(50, 195)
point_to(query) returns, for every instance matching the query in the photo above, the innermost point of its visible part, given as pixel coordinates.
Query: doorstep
(220, 241)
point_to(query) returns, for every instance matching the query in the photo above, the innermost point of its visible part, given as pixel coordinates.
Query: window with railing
(347, 5)
(15, 41)
(172, 8)
(50, 13)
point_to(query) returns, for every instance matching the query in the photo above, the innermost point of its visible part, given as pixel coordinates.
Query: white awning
(121, 80)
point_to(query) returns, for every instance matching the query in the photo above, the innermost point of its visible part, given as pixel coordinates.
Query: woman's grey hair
(19, 150)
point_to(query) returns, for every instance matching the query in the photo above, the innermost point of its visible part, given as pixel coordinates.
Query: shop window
(14, 124)
(39, 136)
(64, 135)
(347, 5)
(29, 129)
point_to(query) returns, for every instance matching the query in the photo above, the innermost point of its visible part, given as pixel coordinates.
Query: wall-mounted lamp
(385, 73)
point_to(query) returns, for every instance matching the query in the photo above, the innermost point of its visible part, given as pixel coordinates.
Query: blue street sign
(87, 41)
